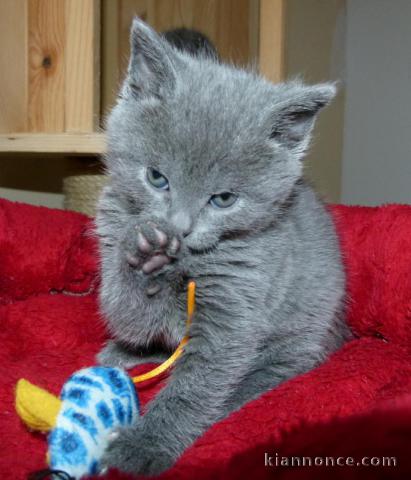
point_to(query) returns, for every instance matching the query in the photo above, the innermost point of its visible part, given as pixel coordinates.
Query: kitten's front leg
(217, 356)
(115, 354)
(134, 298)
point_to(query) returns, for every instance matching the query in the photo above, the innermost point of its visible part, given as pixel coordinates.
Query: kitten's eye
(157, 179)
(223, 200)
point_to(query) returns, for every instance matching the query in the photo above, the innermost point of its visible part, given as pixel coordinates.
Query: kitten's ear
(150, 71)
(294, 118)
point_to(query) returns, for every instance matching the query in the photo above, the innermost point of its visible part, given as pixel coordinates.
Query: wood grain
(46, 82)
(58, 143)
(13, 66)
(271, 39)
(82, 86)
(232, 25)
(128, 9)
(226, 22)
(109, 64)
(49, 63)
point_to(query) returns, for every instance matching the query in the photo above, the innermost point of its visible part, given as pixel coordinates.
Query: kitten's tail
(191, 41)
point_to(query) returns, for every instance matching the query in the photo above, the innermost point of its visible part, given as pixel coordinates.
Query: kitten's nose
(182, 222)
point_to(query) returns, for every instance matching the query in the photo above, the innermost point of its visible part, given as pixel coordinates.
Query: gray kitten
(205, 166)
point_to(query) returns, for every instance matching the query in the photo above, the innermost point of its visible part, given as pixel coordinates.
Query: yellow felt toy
(36, 407)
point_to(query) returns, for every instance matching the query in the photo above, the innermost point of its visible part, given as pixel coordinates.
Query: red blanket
(355, 409)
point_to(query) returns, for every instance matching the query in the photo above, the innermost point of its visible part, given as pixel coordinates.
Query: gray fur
(270, 283)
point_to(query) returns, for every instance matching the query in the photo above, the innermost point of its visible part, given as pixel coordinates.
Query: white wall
(377, 133)
(52, 200)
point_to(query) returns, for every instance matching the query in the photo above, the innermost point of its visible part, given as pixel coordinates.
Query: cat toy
(93, 402)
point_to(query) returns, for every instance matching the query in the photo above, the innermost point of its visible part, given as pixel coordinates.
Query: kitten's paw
(134, 450)
(115, 355)
(153, 248)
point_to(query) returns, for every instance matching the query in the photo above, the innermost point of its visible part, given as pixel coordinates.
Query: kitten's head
(211, 149)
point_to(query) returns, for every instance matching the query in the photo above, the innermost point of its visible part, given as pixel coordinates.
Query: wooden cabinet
(243, 31)
(50, 81)
(65, 59)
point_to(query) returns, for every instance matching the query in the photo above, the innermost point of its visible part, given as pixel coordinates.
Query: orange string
(191, 292)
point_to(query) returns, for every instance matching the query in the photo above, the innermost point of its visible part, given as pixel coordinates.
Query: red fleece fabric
(357, 404)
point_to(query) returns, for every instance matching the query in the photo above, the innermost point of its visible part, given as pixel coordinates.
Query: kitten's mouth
(200, 244)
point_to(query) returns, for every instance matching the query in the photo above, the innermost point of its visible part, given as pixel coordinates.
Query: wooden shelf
(60, 143)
